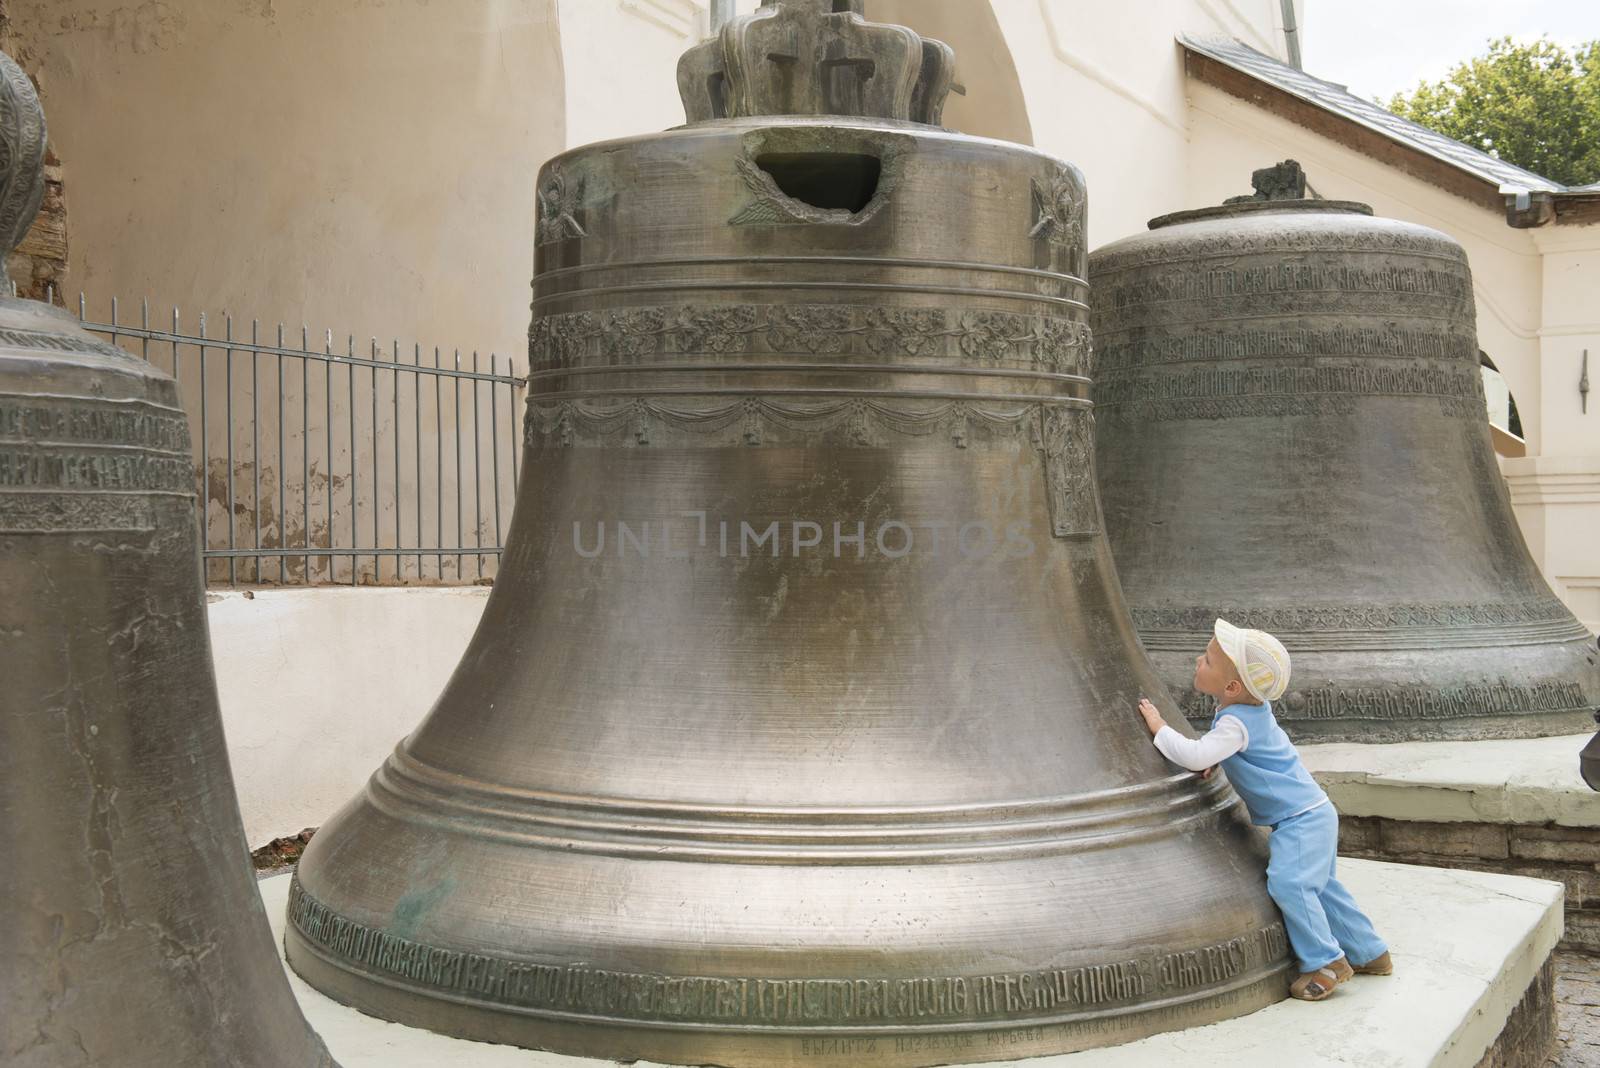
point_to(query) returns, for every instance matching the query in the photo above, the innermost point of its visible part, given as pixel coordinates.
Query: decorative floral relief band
(622, 337)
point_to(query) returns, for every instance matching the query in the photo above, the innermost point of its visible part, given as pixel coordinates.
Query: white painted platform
(1531, 780)
(318, 684)
(1466, 946)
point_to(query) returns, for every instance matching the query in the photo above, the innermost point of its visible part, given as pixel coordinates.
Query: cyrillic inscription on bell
(1290, 403)
(799, 725)
(132, 933)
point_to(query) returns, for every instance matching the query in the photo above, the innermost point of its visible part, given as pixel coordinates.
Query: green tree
(1535, 105)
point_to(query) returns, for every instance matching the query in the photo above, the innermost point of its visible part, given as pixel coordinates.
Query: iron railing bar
(377, 482)
(305, 452)
(350, 406)
(327, 434)
(416, 411)
(205, 450)
(394, 429)
(177, 369)
(456, 423)
(494, 445)
(283, 484)
(227, 379)
(438, 466)
(144, 317)
(255, 440)
(477, 470)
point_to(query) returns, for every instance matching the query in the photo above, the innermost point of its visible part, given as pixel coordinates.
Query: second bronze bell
(132, 934)
(1293, 436)
(799, 725)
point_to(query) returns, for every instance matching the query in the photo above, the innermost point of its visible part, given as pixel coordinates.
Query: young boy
(1244, 671)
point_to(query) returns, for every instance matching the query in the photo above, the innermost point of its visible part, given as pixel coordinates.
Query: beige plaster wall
(365, 165)
(1105, 89)
(993, 104)
(621, 64)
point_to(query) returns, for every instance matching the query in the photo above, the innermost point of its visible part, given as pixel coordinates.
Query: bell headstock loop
(1283, 181)
(816, 57)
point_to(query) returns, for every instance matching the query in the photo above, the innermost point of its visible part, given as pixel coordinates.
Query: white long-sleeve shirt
(1226, 737)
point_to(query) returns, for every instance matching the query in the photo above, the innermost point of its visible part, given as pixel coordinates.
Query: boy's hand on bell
(1204, 775)
(1152, 716)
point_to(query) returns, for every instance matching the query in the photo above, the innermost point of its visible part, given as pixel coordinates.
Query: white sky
(1380, 47)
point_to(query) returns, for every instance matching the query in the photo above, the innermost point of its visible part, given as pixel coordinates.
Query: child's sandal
(1314, 986)
(1379, 965)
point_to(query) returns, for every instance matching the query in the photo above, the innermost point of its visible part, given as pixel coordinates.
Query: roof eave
(1343, 130)
(1523, 207)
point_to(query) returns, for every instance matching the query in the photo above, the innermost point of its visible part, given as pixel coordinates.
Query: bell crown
(816, 57)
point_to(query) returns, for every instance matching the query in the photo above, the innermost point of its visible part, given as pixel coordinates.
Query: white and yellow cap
(1261, 659)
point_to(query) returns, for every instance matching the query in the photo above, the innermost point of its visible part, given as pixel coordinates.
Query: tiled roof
(1340, 101)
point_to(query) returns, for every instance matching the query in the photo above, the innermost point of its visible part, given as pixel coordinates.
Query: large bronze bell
(1293, 436)
(131, 933)
(799, 727)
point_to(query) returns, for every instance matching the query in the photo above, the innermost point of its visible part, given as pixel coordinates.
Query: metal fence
(317, 464)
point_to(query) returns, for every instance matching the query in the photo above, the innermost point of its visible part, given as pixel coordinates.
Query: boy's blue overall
(1319, 914)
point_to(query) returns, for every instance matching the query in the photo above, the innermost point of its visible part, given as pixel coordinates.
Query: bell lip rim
(1308, 206)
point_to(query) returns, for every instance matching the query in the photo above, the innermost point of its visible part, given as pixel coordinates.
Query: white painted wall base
(1557, 501)
(318, 685)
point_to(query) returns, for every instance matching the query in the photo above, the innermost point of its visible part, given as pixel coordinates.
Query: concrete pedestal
(1518, 807)
(1471, 987)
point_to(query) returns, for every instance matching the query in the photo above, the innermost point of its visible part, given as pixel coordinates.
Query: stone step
(1515, 806)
